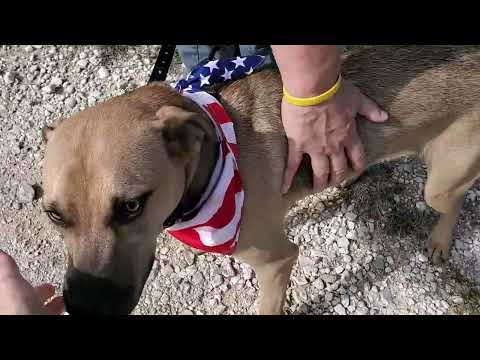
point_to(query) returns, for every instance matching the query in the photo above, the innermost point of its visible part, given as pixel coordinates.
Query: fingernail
(383, 115)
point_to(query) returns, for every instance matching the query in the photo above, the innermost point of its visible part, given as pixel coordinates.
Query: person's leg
(263, 50)
(192, 55)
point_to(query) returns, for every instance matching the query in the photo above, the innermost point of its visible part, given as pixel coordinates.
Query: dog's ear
(183, 131)
(47, 132)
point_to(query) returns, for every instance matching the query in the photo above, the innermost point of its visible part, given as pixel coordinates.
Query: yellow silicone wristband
(327, 95)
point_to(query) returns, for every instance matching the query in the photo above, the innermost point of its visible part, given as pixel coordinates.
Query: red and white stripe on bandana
(215, 226)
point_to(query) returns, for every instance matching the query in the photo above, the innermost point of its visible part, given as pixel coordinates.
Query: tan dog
(113, 173)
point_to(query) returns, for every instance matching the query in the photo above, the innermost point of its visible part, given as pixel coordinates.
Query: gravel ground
(360, 248)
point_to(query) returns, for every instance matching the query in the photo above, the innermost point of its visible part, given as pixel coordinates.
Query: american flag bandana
(219, 71)
(214, 224)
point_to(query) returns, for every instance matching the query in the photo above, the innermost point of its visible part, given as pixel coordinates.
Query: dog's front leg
(273, 268)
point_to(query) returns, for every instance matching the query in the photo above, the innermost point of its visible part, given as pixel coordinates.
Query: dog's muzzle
(89, 295)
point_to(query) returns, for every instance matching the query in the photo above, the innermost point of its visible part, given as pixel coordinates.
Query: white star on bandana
(227, 75)
(239, 62)
(204, 80)
(212, 65)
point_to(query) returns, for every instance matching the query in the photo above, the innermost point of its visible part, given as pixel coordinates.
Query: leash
(162, 65)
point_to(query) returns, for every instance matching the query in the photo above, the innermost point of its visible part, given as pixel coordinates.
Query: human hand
(19, 297)
(327, 133)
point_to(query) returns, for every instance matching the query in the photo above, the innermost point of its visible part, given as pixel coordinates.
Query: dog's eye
(55, 217)
(132, 206)
(129, 210)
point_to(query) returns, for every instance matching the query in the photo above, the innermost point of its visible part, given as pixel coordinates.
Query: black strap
(164, 60)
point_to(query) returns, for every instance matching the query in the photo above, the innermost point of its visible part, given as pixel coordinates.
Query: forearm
(307, 70)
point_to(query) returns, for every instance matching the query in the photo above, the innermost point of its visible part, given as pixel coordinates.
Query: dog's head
(112, 174)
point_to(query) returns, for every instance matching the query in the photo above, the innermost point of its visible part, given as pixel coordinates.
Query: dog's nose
(85, 294)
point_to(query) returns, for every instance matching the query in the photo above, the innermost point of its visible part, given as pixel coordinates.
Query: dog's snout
(85, 294)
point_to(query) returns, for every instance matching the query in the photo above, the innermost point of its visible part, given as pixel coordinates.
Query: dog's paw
(437, 251)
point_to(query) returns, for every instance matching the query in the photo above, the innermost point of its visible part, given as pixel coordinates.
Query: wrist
(308, 71)
(313, 100)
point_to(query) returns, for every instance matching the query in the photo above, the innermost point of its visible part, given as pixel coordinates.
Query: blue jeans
(192, 55)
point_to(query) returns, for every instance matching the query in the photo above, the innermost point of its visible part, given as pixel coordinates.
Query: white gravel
(349, 263)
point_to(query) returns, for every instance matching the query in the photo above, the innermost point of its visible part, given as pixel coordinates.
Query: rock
(333, 287)
(379, 262)
(457, 300)
(421, 206)
(347, 259)
(300, 295)
(71, 102)
(219, 309)
(103, 73)
(361, 311)
(328, 297)
(316, 253)
(94, 60)
(350, 216)
(9, 77)
(429, 277)
(343, 242)
(345, 300)
(371, 226)
(217, 280)
(25, 193)
(327, 278)
(190, 258)
(248, 273)
(28, 48)
(345, 278)
(339, 309)
(339, 269)
(82, 64)
(351, 235)
(91, 101)
(166, 270)
(318, 284)
(48, 89)
(350, 225)
(300, 280)
(228, 270)
(164, 299)
(70, 89)
(471, 196)
(304, 261)
(187, 312)
(342, 231)
(387, 295)
(56, 82)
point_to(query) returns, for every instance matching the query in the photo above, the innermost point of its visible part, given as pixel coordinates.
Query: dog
(115, 172)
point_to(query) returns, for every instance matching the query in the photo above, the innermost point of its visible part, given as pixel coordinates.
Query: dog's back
(424, 89)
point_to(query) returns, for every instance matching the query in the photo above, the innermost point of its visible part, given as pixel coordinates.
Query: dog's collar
(183, 211)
